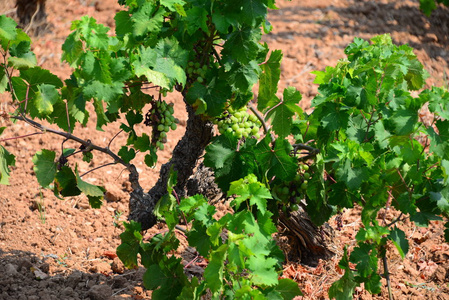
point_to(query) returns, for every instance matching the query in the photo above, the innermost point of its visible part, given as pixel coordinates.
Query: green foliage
(428, 6)
(243, 258)
(364, 143)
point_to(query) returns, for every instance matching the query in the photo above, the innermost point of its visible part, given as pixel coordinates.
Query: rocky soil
(62, 249)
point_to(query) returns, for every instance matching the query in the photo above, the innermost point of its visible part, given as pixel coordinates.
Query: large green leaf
(45, 167)
(268, 83)
(277, 161)
(288, 289)
(7, 30)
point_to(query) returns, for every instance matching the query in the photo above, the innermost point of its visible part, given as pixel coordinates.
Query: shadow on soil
(23, 275)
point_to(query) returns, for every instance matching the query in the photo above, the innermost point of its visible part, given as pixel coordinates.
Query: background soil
(61, 249)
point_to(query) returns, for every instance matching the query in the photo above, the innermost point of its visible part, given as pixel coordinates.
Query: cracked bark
(32, 15)
(185, 157)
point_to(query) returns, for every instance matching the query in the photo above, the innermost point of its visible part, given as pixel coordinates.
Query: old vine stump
(32, 16)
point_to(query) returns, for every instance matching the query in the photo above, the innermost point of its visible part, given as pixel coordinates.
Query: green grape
(306, 176)
(160, 127)
(294, 207)
(191, 64)
(254, 130)
(197, 65)
(285, 190)
(200, 79)
(305, 167)
(173, 126)
(304, 185)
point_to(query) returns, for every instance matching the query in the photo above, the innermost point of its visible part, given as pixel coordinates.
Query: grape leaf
(213, 274)
(175, 5)
(243, 77)
(253, 191)
(404, 121)
(45, 98)
(65, 182)
(282, 113)
(269, 79)
(24, 61)
(142, 143)
(126, 154)
(148, 19)
(220, 150)
(400, 241)
(441, 199)
(277, 161)
(196, 19)
(365, 256)
(44, 167)
(164, 282)
(263, 271)
(6, 160)
(95, 35)
(352, 176)
(160, 65)
(123, 24)
(129, 248)
(72, 49)
(343, 289)
(253, 11)
(214, 94)
(242, 45)
(288, 289)
(128, 254)
(8, 31)
(94, 193)
(37, 75)
(199, 239)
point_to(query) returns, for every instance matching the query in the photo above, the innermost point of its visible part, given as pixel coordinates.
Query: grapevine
(361, 145)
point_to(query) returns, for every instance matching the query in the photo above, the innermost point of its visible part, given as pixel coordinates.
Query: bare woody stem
(88, 146)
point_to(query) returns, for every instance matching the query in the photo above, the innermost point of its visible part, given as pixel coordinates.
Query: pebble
(11, 270)
(100, 292)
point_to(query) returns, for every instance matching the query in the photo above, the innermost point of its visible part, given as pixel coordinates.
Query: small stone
(11, 270)
(67, 292)
(100, 292)
(101, 267)
(117, 266)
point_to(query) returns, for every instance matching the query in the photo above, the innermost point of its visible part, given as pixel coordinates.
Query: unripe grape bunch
(161, 118)
(196, 71)
(239, 123)
(291, 193)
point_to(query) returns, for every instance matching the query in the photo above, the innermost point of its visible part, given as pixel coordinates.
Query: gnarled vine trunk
(184, 159)
(32, 15)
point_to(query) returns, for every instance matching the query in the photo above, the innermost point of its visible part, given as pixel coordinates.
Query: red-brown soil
(71, 247)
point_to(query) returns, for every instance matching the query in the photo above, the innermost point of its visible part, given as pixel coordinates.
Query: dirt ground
(62, 249)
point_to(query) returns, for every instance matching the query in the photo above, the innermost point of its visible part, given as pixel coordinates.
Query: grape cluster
(291, 193)
(239, 123)
(161, 118)
(194, 70)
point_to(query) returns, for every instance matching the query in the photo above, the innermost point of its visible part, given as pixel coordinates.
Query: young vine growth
(364, 144)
